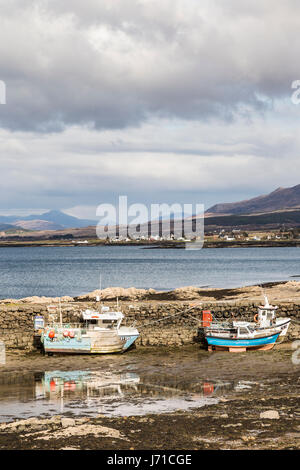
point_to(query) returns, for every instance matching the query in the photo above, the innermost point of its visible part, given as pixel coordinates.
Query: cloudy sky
(161, 100)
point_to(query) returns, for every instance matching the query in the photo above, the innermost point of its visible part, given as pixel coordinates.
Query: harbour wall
(159, 323)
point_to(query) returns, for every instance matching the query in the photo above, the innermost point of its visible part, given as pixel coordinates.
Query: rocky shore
(234, 424)
(282, 291)
(265, 416)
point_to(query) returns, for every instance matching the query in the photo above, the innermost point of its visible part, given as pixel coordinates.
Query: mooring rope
(197, 320)
(183, 312)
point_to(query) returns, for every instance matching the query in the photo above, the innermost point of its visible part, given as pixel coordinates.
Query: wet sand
(233, 422)
(184, 361)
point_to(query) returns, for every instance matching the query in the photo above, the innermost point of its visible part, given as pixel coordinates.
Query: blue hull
(247, 343)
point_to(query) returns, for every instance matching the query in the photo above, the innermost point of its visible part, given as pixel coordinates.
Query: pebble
(270, 414)
(248, 438)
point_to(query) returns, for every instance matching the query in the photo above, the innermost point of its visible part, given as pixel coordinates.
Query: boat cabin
(104, 320)
(266, 314)
(245, 331)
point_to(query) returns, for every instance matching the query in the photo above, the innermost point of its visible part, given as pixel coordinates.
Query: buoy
(51, 334)
(208, 388)
(66, 333)
(206, 318)
(72, 334)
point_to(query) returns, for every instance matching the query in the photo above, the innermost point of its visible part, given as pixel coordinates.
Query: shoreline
(279, 291)
(179, 245)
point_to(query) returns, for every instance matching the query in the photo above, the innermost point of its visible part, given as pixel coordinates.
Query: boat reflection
(90, 392)
(112, 393)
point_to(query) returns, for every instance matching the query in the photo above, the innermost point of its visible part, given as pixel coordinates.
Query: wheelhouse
(104, 320)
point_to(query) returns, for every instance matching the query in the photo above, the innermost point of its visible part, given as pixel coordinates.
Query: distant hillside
(279, 200)
(5, 227)
(39, 225)
(52, 220)
(273, 220)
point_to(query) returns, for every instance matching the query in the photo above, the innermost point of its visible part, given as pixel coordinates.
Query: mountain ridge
(50, 220)
(278, 200)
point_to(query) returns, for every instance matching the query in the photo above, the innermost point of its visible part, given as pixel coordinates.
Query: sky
(163, 101)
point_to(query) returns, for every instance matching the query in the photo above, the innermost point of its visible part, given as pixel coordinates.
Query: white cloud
(78, 166)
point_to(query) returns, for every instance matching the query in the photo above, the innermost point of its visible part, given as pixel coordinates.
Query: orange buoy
(71, 334)
(208, 388)
(66, 333)
(51, 334)
(206, 318)
(255, 318)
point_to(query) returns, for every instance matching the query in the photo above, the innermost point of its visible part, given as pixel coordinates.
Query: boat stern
(129, 335)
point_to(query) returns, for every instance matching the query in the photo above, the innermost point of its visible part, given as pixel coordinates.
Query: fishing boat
(98, 332)
(238, 336)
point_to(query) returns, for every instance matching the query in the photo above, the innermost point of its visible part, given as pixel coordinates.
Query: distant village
(241, 235)
(214, 236)
(211, 236)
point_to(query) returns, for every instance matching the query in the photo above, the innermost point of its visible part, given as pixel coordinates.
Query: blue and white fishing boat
(237, 336)
(240, 339)
(99, 332)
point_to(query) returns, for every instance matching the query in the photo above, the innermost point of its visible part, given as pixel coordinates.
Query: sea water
(57, 271)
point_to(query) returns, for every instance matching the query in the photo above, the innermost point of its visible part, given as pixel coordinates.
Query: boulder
(112, 293)
(45, 300)
(67, 422)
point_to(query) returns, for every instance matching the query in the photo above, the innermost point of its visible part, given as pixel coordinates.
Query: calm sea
(57, 271)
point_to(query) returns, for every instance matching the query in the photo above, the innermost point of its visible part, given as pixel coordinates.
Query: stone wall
(160, 323)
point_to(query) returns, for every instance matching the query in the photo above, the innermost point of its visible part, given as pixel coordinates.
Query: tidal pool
(137, 383)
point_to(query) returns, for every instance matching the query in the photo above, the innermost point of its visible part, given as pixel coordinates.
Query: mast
(60, 314)
(98, 297)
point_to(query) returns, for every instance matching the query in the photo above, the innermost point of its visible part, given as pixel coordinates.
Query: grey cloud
(112, 65)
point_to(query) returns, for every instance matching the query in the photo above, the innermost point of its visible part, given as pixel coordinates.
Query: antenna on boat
(264, 295)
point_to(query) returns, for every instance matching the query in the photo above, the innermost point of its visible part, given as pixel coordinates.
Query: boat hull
(98, 344)
(129, 340)
(241, 344)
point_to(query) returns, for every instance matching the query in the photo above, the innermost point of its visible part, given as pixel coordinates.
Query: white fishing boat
(237, 336)
(99, 332)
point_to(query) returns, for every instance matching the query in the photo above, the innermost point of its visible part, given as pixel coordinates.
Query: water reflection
(84, 389)
(90, 392)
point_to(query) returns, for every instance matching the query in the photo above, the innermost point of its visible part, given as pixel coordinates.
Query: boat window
(102, 323)
(107, 323)
(243, 331)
